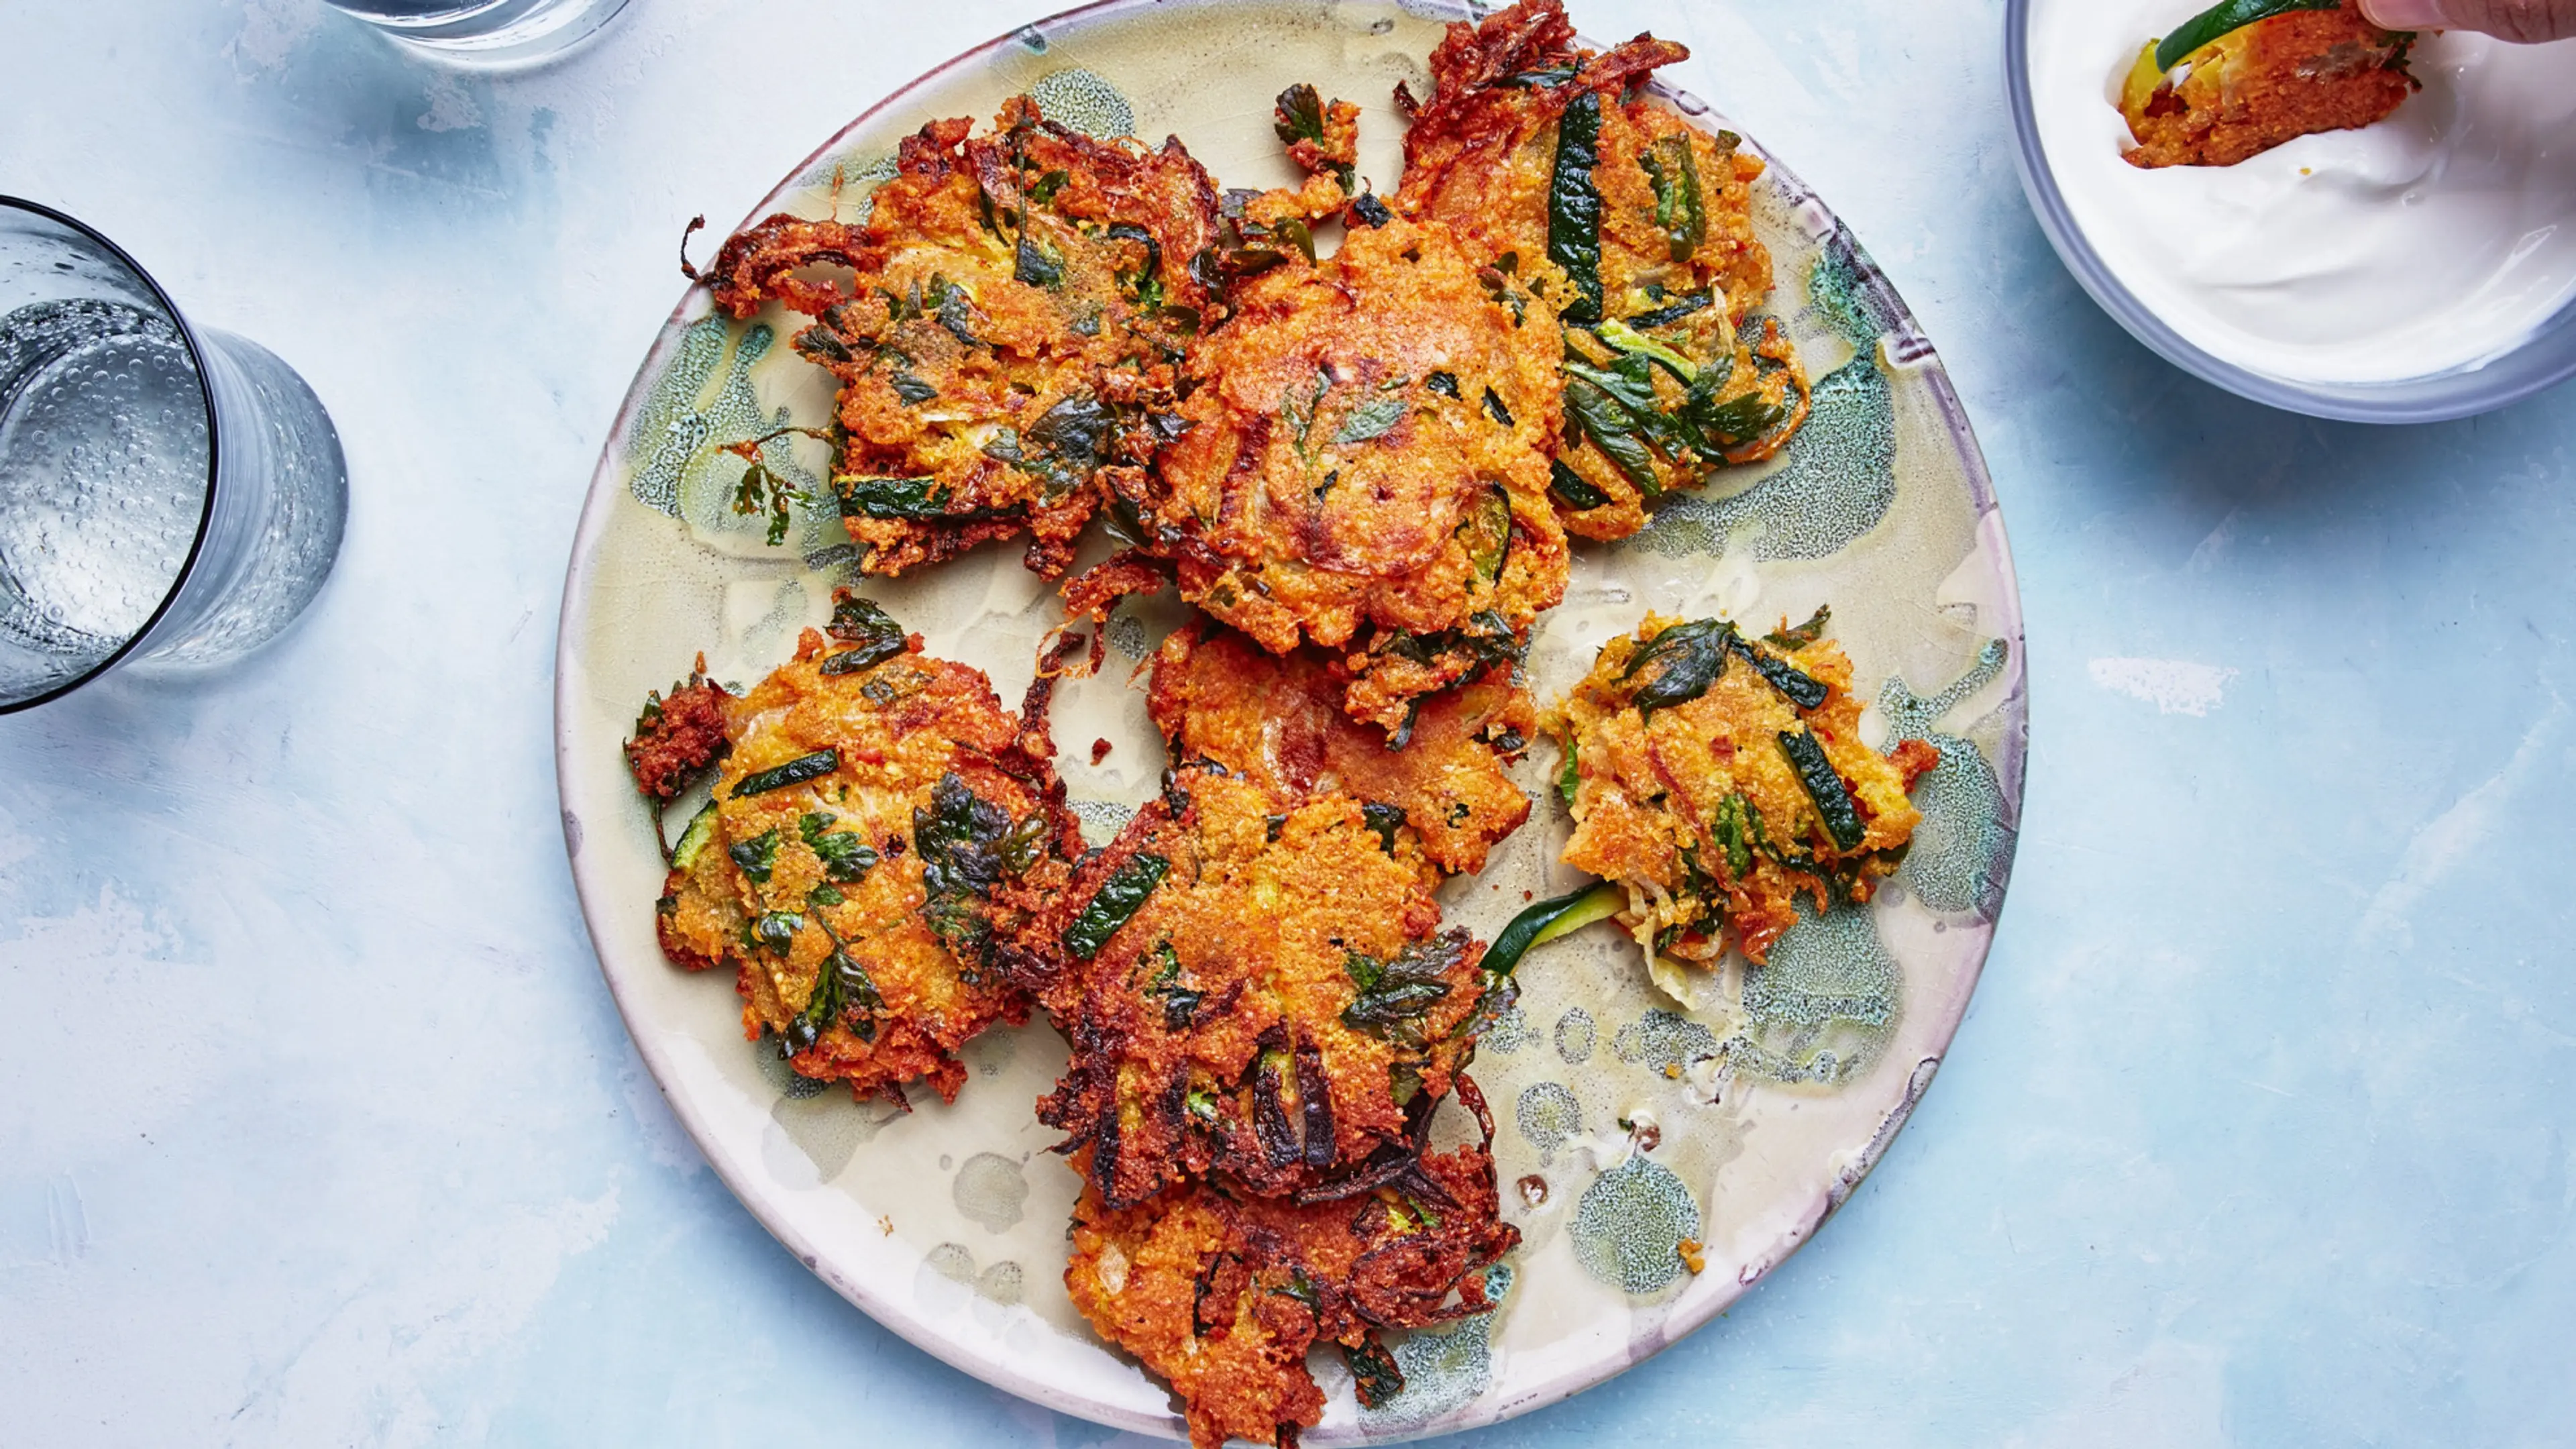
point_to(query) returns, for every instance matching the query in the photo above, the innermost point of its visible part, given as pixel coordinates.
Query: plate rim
(606, 492)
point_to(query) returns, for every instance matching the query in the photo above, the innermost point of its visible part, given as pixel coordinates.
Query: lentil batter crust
(1280, 1007)
(831, 875)
(1700, 811)
(1679, 262)
(1222, 1294)
(1365, 465)
(2273, 81)
(1278, 720)
(1007, 341)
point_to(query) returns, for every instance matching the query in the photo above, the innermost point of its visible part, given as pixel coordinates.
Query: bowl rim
(2424, 399)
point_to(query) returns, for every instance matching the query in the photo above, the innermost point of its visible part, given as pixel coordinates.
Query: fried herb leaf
(1569, 779)
(846, 858)
(900, 499)
(1035, 264)
(859, 622)
(1574, 207)
(1687, 659)
(1385, 820)
(1374, 1375)
(1301, 118)
(1443, 383)
(911, 389)
(777, 930)
(1825, 787)
(795, 772)
(954, 310)
(1371, 211)
(1598, 417)
(841, 986)
(960, 837)
(757, 856)
(1370, 420)
(1569, 488)
(1116, 902)
(1412, 982)
(1801, 635)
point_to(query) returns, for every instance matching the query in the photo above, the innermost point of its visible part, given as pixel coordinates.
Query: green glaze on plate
(1735, 1108)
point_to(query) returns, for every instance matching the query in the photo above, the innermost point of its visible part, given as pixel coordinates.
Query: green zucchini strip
(1120, 897)
(2225, 18)
(795, 772)
(1825, 787)
(1574, 207)
(1551, 918)
(702, 828)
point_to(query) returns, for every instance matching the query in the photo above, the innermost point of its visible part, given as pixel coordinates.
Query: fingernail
(2403, 14)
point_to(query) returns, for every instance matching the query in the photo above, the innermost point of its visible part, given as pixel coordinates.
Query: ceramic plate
(1773, 1093)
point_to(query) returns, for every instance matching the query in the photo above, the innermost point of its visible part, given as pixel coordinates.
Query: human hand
(2524, 21)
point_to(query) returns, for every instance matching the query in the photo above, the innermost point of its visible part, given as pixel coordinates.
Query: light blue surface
(317, 1127)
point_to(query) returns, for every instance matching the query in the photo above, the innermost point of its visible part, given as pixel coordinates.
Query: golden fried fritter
(2269, 82)
(1717, 777)
(677, 738)
(1006, 343)
(1547, 150)
(1250, 987)
(1222, 1294)
(1366, 465)
(1278, 720)
(879, 827)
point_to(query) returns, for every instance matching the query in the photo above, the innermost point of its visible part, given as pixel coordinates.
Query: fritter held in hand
(1278, 720)
(1717, 777)
(1251, 988)
(2220, 90)
(1005, 344)
(878, 827)
(1366, 466)
(1547, 150)
(1222, 1294)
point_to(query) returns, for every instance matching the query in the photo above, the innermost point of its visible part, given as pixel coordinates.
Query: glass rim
(214, 449)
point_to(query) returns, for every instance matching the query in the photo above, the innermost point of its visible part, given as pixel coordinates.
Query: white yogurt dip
(2438, 239)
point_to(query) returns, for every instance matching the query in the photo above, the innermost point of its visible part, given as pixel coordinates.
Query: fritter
(1365, 465)
(1007, 340)
(1547, 150)
(1222, 1294)
(879, 828)
(1718, 777)
(1251, 987)
(1278, 720)
(2255, 86)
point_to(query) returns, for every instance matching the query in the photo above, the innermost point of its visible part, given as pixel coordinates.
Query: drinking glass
(171, 496)
(485, 31)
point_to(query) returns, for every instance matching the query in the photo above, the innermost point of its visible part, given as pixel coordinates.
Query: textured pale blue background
(317, 1127)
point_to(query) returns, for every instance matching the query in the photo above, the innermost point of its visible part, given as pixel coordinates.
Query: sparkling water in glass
(170, 497)
(498, 31)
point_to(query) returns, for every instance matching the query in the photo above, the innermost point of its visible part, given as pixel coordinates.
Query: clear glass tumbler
(171, 497)
(486, 31)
